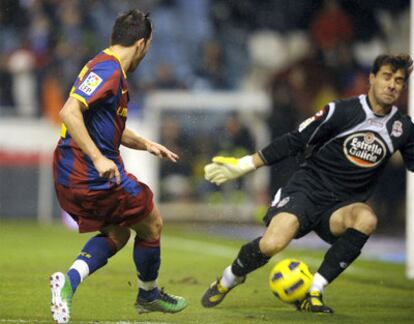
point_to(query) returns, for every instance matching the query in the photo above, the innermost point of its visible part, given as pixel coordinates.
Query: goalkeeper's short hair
(397, 62)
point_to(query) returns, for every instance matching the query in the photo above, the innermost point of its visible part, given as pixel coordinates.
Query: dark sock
(95, 253)
(74, 278)
(147, 261)
(249, 259)
(148, 295)
(342, 253)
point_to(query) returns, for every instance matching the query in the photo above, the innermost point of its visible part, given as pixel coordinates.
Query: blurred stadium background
(222, 76)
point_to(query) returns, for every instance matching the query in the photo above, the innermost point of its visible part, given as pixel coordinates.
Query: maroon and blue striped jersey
(102, 88)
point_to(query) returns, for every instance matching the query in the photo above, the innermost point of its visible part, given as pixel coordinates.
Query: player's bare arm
(72, 117)
(133, 140)
(257, 161)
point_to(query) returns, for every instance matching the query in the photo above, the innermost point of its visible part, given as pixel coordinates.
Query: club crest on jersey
(90, 84)
(397, 129)
(364, 149)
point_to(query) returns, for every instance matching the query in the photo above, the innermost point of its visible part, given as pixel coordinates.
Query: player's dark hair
(397, 62)
(130, 27)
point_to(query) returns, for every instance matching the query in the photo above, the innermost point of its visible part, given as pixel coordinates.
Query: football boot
(61, 297)
(165, 303)
(215, 294)
(313, 302)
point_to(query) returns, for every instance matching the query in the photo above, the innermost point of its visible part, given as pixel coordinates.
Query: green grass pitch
(368, 292)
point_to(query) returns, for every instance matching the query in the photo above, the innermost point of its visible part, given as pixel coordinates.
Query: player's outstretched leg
(339, 256)
(61, 297)
(249, 259)
(94, 255)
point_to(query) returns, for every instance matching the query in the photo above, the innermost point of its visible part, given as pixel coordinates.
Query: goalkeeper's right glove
(227, 168)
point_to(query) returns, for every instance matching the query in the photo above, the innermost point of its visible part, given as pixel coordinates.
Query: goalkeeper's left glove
(227, 168)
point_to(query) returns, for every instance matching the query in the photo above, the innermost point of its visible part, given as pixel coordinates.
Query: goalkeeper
(346, 145)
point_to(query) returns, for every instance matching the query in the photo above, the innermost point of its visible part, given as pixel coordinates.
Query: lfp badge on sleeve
(90, 84)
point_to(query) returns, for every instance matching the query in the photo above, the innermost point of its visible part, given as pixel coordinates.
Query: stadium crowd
(303, 53)
(203, 44)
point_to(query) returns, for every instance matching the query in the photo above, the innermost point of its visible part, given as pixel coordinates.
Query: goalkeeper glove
(227, 168)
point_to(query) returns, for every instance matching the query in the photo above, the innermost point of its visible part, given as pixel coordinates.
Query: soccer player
(347, 145)
(91, 182)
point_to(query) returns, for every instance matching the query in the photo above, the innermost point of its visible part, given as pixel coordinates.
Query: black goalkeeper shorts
(312, 216)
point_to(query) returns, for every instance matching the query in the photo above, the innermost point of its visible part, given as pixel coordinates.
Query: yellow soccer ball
(290, 280)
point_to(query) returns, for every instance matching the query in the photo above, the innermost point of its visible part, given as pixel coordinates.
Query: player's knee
(120, 237)
(365, 221)
(282, 229)
(367, 225)
(270, 246)
(154, 229)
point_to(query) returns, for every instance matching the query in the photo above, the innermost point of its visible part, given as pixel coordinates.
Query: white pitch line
(218, 250)
(79, 322)
(214, 249)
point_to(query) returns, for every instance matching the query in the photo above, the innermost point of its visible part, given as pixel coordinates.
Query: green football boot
(165, 303)
(61, 297)
(313, 303)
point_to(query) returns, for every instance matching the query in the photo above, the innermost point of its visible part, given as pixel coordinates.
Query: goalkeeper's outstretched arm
(315, 130)
(223, 168)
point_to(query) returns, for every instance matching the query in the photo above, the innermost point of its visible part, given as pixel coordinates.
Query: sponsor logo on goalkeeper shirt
(364, 149)
(375, 122)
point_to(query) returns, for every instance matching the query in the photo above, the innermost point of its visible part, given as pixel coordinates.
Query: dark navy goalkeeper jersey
(346, 146)
(102, 87)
